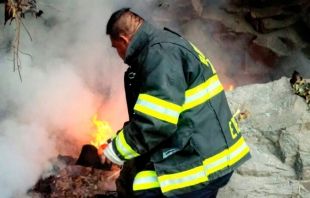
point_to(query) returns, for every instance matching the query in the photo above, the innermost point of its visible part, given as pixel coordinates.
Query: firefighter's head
(121, 26)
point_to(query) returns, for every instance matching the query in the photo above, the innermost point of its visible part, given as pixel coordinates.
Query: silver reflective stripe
(158, 108)
(181, 180)
(238, 151)
(145, 180)
(216, 163)
(202, 92)
(227, 157)
(128, 154)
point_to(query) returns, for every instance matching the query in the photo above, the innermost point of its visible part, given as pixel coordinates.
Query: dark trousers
(210, 191)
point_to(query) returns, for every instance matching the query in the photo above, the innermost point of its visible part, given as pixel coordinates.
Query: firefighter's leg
(124, 183)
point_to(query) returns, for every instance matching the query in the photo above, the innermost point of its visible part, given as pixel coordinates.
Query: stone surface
(278, 133)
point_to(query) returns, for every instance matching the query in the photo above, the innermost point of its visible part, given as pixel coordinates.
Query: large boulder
(278, 133)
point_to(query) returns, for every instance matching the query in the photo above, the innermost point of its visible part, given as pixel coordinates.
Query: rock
(198, 6)
(228, 20)
(261, 54)
(278, 134)
(274, 44)
(258, 13)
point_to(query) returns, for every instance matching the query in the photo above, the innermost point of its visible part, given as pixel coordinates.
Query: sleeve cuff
(110, 154)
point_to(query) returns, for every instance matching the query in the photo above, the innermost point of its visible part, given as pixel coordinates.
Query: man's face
(120, 45)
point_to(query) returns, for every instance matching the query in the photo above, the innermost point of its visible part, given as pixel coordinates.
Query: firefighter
(180, 122)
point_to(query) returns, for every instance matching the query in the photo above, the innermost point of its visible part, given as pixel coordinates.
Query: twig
(17, 8)
(26, 54)
(24, 27)
(115, 173)
(19, 68)
(16, 59)
(246, 108)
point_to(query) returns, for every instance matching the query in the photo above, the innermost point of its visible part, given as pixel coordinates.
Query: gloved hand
(103, 158)
(106, 150)
(101, 148)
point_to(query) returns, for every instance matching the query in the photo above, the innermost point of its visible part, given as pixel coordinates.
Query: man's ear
(125, 39)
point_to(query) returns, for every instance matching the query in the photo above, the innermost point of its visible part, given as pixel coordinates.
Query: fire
(103, 133)
(231, 87)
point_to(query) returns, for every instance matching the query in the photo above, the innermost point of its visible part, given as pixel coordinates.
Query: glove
(103, 158)
(111, 156)
(101, 148)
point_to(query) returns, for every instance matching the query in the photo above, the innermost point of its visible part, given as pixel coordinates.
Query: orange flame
(231, 87)
(103, 133)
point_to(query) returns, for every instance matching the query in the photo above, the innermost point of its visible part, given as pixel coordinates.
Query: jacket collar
(138, 42)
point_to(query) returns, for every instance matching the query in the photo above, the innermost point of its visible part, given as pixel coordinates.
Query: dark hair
(116, 25)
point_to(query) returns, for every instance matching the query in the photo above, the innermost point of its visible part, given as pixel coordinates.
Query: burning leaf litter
(85, 177)
(77, 181)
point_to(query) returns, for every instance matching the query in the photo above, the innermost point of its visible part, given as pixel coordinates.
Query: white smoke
(73, 75)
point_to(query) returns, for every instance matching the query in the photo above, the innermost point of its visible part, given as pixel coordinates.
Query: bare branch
(26, 54)
(24, 27)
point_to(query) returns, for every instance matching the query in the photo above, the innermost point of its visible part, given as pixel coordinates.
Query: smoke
(72, 74)
(69, 74)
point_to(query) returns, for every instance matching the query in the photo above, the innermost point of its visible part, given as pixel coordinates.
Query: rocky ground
(278, 133)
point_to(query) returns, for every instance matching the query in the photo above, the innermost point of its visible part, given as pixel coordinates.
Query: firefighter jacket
(181, 118)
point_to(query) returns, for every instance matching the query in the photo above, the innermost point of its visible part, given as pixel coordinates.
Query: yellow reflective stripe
(160, 102)
(147, 173)
(123, 148)
(183, 179)
(145, 180)
(200, 174)
(202, 86)
(203, 59)
(197, 50)
(227, 157)
(158, 108)
(209, 62)
(202, 93)
(237, 154)
(216, 162)
(156, 114)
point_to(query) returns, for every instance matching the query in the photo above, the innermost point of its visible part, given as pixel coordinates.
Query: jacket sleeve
(158, 107)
